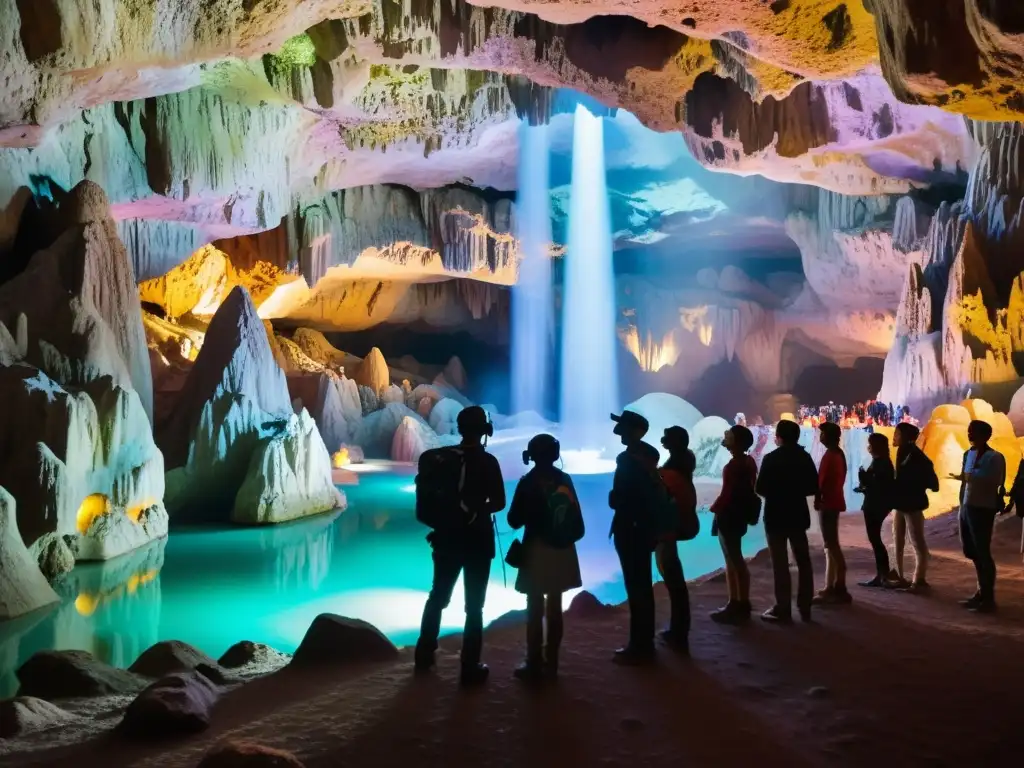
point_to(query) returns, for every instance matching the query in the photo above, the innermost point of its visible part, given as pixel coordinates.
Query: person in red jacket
(830, 503)
(731, 510)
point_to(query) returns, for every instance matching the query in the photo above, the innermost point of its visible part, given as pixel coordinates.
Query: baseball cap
(631, 420)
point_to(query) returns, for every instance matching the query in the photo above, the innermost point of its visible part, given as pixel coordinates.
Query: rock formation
(234, 447)
(78, 450)
(23, 588)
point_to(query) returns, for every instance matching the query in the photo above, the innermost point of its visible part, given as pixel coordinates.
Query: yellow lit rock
(86, 604)
(94, 505)
(135, 511)
(340, 458)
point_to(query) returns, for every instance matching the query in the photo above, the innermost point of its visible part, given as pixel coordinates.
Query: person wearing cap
(915, 476)
(830, 502)
(787, 478)
(466, 550)
(632, 531)
(732, 517)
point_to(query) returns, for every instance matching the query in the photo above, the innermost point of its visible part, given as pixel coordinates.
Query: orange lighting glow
(340, 459)
(95, 505)
(135, 511)
(652, 355)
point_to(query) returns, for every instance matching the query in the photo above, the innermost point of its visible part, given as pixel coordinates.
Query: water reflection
(212, 588)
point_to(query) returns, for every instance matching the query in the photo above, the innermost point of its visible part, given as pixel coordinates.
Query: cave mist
(589, 383)
(532, 304)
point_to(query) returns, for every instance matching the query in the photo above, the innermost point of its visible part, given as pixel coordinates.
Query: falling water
(532, 306)
(589, 390)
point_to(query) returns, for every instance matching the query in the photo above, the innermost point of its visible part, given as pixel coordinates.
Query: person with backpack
(787, 478)
(876, 483)
(981, 499)
(546, 505)
(915, 475)
(633, 499)
(830, 502)
(677, 475)
(733, 514)
(458, 489)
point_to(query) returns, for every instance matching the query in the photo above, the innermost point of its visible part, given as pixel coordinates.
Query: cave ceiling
(214, 119)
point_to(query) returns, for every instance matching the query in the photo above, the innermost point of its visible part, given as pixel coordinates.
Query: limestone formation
(373, 373)
(23, 588)
(411, 439)
(235, 446)
(78, 456)
(24, 715)
(376, 433)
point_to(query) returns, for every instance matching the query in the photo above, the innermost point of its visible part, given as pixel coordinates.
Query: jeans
(475, 566)
(666, 556)
(915, 521)
(634, 553)
(778, 544)
(873, 524)
(835, 562)
(538, 609)
(976, 524)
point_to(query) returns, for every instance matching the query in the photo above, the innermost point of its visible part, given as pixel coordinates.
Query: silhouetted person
(632, 498)
(463, 542)
(733, 513)
(981, 499)
(677, 474)
(915, 476)
(876, 483)
(788, 477)
(546, 505)
(830, 502)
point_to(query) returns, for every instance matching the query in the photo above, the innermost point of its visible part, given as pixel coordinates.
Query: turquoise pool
(212, 588)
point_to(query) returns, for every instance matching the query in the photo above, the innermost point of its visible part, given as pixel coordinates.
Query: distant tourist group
(460, 488)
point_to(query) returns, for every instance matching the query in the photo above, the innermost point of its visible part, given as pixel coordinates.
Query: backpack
(440, 479)
(687, 522)
(664, 510)
(564, 521)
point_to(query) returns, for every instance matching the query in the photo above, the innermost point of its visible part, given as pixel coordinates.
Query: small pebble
(817, 692)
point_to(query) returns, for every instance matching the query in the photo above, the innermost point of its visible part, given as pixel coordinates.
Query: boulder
(244, 754)
(411, 439)
(373, 372)
(420, 393)
(289, 477)
(178, 704)
(368, 400)
(329, 412)
(53, 675)
(171, 656)
(247, 653)
(23, 715)
(585, 606)
(424, 407)
(23, 587)
(54, 555)
(333, 639)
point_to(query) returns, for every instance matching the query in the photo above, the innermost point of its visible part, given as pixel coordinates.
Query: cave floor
(903, 679)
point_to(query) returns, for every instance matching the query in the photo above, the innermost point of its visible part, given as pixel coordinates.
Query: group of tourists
(654, 507)
(870, 413)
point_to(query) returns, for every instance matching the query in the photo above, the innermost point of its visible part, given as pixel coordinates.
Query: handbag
(516, 554)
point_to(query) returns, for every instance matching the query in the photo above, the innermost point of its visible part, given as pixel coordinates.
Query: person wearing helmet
(467, 549)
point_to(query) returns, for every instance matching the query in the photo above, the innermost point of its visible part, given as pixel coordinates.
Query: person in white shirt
(981, 500)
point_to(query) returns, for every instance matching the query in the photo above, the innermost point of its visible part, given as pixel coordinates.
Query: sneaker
(874, 583)
(916, 588)
(896, 583)
(984, 605)
(529, 671)
(632, 657)
(971, 601)
(474, 674)
(726, 609)
(776, 615)
(824, 597)
(677, 641)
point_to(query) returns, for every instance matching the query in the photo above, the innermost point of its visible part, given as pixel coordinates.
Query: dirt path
(894, 679)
